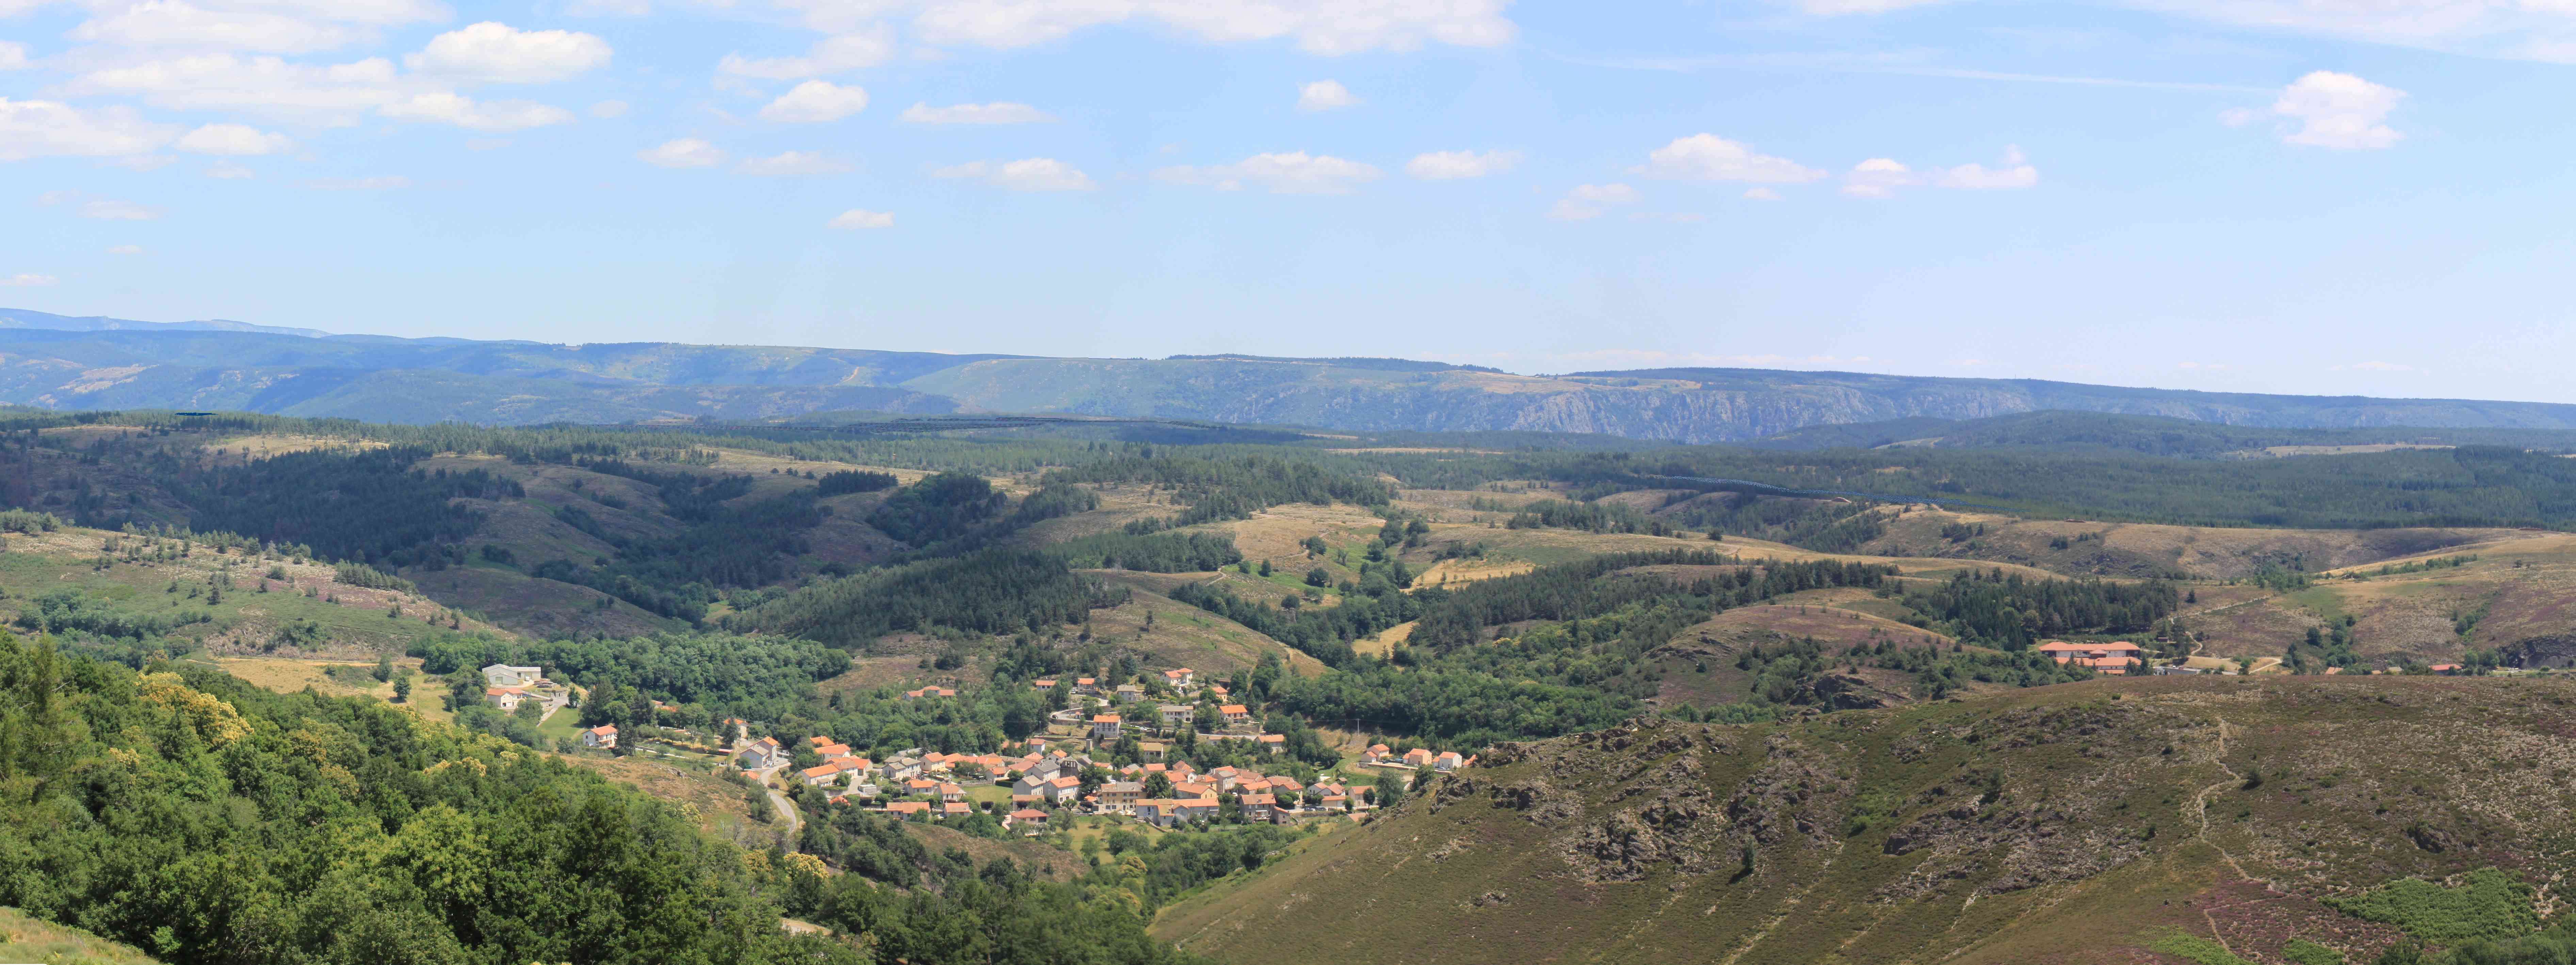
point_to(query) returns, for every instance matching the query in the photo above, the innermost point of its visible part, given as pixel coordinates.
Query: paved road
(786, 808)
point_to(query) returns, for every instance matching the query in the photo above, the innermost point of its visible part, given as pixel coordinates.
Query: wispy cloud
(1846, 64)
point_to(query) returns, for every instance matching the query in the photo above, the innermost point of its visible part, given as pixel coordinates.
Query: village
(1109, 750)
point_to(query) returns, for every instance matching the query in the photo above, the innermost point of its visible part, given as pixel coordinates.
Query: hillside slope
(2079, 823)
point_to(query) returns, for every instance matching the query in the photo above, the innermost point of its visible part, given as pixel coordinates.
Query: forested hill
(98, 363)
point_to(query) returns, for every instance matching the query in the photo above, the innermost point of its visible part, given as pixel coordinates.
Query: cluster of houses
(1105, 713)
(1197, 796)
(1045, 777)
(506, 687)
(1045, 780)
(1379, 755)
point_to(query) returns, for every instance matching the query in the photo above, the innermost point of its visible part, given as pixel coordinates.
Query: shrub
(2490, 904)
(360, 574)
(853, 481)
(2306, 952)
(2200, 950)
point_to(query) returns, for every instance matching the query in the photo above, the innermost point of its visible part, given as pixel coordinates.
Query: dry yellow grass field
(24, 938)
(1460, 571)
(1385, 641)
(262, 446)
(717, 805)
(1186, 636)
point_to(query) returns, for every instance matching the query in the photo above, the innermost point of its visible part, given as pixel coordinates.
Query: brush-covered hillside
(2169, 820)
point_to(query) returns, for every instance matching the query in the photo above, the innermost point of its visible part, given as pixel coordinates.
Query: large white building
(504, 675)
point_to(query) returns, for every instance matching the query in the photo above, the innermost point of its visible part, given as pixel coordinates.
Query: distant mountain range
(63, 362)
(22, 318)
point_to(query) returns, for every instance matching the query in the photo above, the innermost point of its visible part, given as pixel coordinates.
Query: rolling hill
(64, 362)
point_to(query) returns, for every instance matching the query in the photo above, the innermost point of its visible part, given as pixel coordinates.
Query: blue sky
(2316, 196)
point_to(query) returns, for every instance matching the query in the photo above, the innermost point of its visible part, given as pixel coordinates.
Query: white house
(504, 675)
(761, 754)
(604, 735)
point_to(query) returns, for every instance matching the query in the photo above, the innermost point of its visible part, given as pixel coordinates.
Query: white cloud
(31, 129)
(1457, 165)
(856, 218)
(1291, 173)
(177, 23)
(230, 172)
(447, 107)
(24, 280)
(1325, 95)
(1027, 174)
(2016, 172)
(333, 94)
(13, 56)
(831, 55)
(816, 102)
(1761, 194)
(1589, 201)
(2330, 110)
(607, 109)
(125, 250)
(609, 8)
(1881, 177)
(497, 53)
(687, 152)
(1708, 157)
(377, 13)
(107, 210)
(792, 164)
(1877, 177)
(998, 112)
(385, 183)
(1327, 27)
(234, 140)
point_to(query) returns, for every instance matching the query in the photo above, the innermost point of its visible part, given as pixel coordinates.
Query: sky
(2363, 197)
